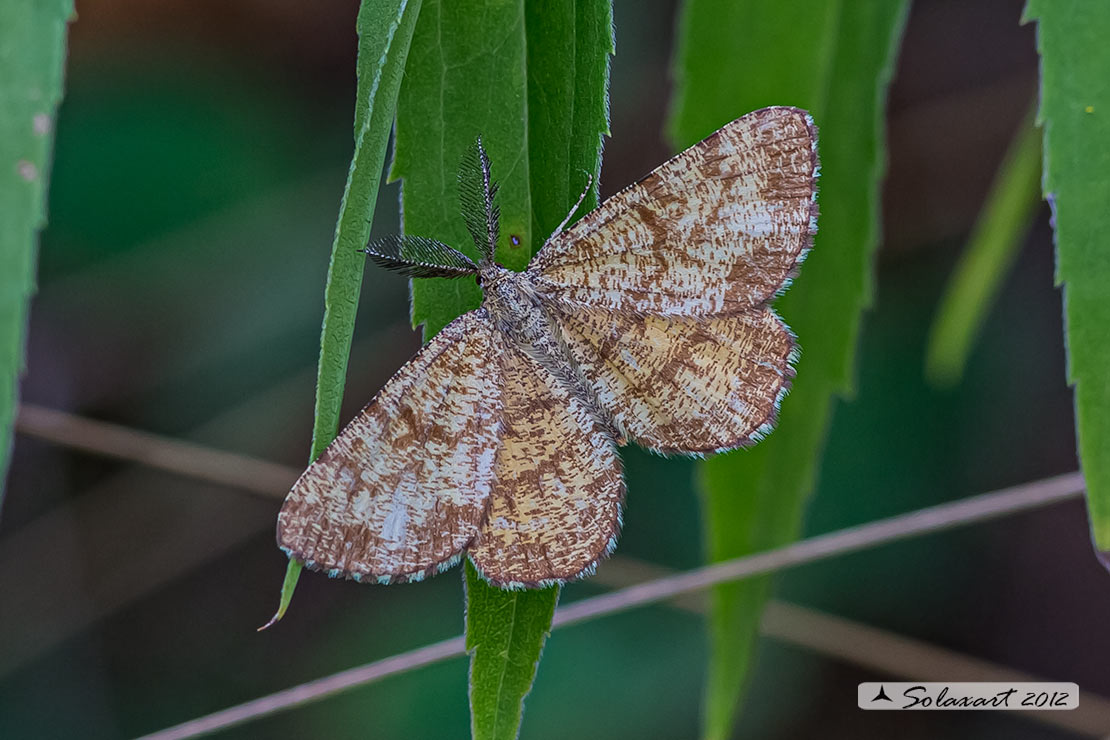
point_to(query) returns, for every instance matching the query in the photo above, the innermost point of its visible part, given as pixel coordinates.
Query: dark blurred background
(201, 153)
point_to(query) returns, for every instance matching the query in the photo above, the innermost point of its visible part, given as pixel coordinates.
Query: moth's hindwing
(689, 386)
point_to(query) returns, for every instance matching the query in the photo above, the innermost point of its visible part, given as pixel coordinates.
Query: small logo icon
(881, 696)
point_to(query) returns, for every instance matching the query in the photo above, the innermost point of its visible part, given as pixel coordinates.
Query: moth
(646, 321)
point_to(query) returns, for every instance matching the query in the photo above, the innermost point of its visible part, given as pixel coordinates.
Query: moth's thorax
(509, 298)
(516, 310)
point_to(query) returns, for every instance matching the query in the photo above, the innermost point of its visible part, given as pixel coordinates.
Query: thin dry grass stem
(884, 652)
(933, 519)
(185, 458)
(909, 659)
(312, 691)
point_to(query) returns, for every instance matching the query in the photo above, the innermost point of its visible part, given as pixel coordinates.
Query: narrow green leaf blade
(568, 114)
(531, 78)
(32, 59)
(835, 60)
(385, 31)
(467, 78)
(991, 250)
(505, 633)
(1075, 117)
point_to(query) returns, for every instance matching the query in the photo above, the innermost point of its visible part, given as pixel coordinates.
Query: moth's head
(492, 276)
(417, 256)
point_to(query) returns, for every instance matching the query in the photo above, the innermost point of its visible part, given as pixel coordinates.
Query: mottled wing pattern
(716, 230)
(402, 491)
(685, 385)
(555, 507)
(659, 296)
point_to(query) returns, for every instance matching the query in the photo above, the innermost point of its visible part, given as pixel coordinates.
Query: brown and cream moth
(647, 321)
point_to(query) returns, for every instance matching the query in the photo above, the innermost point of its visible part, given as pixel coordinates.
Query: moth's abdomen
(529, 324)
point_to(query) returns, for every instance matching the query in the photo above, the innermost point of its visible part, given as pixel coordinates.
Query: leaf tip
(1103, 557)
(292, 575)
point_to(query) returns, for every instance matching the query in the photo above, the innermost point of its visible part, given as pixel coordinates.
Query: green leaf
(32, 58)
(568, 107)
(991, 250)
(835, 60)
(531, 78)
(505, 632)
(466, 77)
(385, 29)
(1075, 117)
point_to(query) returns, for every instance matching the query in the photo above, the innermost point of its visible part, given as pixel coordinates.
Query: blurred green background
(202, 147)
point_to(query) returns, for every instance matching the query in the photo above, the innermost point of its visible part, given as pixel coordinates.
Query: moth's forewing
(555, 507)
(716, 230)
(403, 489)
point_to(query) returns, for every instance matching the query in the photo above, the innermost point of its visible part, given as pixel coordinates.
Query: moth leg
(582, 197)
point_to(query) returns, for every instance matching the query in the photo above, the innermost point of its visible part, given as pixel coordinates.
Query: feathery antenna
(476, 192)
(417, 256)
